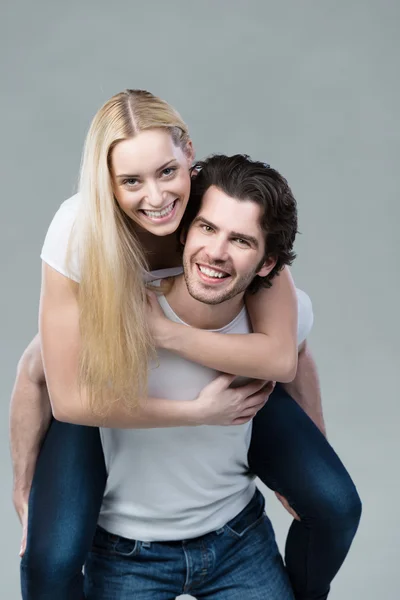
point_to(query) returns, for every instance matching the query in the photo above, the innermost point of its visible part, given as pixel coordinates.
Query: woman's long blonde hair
(115, 340)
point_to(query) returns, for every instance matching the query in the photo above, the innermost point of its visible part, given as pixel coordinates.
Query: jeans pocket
(127, 548)
(109, 544)
(248, 518)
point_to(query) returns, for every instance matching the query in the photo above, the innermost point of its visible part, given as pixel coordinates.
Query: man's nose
(217, 249)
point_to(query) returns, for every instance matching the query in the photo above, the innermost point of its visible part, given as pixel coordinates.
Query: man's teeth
(157, 214)
(212, 273)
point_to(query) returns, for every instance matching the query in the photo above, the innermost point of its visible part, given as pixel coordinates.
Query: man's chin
(206, 297)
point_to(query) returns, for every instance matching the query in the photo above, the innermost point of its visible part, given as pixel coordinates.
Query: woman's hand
(159, 324)
(218, 404)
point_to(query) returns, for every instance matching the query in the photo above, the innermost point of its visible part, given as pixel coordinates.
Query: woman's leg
(64, 505)
(291, 456)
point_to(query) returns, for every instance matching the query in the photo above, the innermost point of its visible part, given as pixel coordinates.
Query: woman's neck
(161, 251)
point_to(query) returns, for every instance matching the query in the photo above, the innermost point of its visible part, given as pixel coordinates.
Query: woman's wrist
(166, 334)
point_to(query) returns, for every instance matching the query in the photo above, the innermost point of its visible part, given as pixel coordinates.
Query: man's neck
(198, 314)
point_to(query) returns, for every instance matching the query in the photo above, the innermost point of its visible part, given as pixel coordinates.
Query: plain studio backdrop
(310, 87)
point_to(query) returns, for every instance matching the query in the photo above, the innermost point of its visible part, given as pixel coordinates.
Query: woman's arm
(217, 404)
(270, 353)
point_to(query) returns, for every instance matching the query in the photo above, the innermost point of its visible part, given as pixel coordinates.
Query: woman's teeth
(157, 214)
(212, 273)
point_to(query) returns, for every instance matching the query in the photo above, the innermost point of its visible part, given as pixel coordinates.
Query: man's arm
(305, 387)
(30, 415)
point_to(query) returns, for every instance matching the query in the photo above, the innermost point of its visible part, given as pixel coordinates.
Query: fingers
(241, 420)
(152, 301)
(24, 521)
(23, 544)
(287, 506)
(269, 388)
(254, 403)
(251, 388)
(249, 413)
(220, 383)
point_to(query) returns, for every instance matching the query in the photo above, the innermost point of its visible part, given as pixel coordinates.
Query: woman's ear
(189, 152)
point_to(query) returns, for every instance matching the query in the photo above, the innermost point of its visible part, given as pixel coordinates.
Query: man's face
(224, 248)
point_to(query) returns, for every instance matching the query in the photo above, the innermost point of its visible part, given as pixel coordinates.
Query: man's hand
(220, 404)
(20, 500)
(286, 505)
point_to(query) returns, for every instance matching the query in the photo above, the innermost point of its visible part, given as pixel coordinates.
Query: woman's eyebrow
(133, 176)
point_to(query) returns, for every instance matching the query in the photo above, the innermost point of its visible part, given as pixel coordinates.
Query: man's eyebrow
(133, 176)
(243, 236)
(236, 234)
(205, 221)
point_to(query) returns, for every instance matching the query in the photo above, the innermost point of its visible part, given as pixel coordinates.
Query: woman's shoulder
(56, 243)
(305, 315)
(68, 209)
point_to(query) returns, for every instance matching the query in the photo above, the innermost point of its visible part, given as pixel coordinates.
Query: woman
(135, 185)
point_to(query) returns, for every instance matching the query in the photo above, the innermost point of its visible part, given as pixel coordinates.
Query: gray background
(313, 88)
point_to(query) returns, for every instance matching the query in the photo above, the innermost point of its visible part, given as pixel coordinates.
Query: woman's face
(151, 180)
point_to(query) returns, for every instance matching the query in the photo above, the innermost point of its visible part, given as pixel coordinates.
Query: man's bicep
(35, 362)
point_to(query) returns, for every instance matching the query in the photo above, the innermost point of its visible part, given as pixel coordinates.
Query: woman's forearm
(250, 355)
(270, 353)
(152, 413)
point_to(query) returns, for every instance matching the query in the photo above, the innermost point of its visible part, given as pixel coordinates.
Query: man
(222, 260)
(181, 513)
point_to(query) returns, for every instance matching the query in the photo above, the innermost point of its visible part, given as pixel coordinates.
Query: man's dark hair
(244, 179)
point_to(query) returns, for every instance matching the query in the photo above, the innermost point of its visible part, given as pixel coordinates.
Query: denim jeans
(239, 561)
(287, 452)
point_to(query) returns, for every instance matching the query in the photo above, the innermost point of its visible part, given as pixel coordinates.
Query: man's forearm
(305, 388)
(30, 415)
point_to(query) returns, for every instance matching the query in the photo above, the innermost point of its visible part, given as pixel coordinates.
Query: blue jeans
(287, 452)
(239, 561)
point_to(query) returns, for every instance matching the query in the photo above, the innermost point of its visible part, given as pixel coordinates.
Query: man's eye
(206, 228)
(242, 242)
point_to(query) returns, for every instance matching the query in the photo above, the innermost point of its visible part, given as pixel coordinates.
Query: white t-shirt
(172, 483)
(54, 249)
(182, 482)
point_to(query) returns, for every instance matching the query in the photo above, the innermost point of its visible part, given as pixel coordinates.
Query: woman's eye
(130, 182)
(168, 171)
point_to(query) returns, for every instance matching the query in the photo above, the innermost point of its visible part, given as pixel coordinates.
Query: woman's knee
(334, 502)
(53, 559)
(58, 569)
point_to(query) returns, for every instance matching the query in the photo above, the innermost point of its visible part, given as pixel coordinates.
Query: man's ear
(267, 267)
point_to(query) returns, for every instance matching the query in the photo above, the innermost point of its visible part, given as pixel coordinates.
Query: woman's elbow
(286, 368)
(68, 412)
(288, 372)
